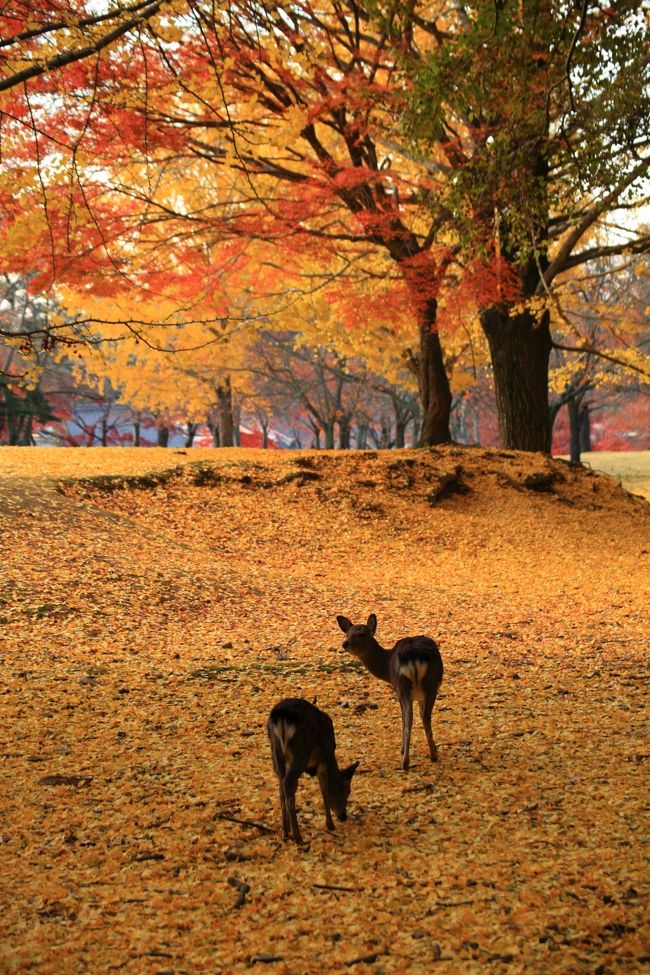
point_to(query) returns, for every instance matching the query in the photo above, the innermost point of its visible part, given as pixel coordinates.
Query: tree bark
(163, 436)
(344, 433)
(400, 432)
(520, 347)
(236, 418)
(190, 433)
(433, 383)
(226, 421)
(362, 434)
(329, 434)
(573, 407)
(585, 428)
(136, 433)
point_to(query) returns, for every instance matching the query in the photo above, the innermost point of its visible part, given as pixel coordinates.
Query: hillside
(156, 604)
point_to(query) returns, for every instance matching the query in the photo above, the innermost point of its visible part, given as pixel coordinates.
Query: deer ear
(372, 624)
(348, 772)
(344, 623)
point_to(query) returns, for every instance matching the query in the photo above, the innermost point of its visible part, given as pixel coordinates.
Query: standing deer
(413, 668)
(302, 740)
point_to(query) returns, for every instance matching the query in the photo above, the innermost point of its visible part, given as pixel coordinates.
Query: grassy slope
(149, 630)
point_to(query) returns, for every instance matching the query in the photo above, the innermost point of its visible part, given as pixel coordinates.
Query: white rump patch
(415, 670)
(284, 731)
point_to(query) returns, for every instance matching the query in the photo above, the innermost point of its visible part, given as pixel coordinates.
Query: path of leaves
(148, 625)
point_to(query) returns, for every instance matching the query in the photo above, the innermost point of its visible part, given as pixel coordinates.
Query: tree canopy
(382, 161)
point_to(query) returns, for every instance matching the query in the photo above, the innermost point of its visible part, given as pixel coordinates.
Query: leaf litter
(155, 604)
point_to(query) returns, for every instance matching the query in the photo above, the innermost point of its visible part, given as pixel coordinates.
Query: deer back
(417, 659)
(302, 734)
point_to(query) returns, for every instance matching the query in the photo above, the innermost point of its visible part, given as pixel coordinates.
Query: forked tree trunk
(519, 348)
(433, 383)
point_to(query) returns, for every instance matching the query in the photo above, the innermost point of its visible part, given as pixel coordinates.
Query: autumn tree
(541, 112)
(296, 102)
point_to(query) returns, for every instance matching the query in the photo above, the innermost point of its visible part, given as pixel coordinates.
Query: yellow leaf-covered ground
(149, 621)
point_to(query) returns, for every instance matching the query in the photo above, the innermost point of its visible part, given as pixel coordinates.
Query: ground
(155, 604)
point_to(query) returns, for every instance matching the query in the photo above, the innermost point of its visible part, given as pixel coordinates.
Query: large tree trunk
(435, 394)
(190, 433)
(163, 435)
(519, 348)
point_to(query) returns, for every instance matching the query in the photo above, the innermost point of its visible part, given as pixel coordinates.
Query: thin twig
(337, 887)
(244, 822)
(368, 959)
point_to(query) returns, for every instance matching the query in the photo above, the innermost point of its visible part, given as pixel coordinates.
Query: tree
(542, 112)
(288, 108)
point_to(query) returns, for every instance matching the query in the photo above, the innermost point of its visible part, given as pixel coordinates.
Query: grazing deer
(302, 740)
(413, 668)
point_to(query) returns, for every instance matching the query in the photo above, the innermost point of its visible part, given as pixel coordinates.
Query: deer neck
(376, 659)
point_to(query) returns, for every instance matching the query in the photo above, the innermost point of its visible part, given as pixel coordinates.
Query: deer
(302, 740)
(413, 668)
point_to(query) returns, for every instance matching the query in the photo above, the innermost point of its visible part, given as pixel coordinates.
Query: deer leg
(322, 781)
(289, 785)
(280, 769)
(285, 813)
(426, 708)
(407, 723)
